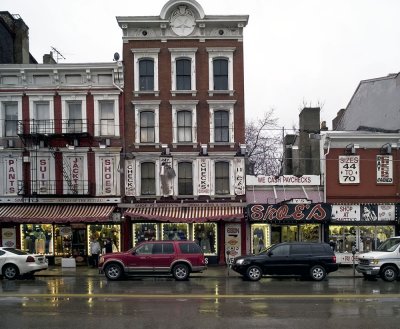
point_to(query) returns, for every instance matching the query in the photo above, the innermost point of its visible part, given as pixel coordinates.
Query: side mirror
(270, 253)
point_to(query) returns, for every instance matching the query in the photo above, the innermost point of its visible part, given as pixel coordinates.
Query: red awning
(55, 213)
(187, 214)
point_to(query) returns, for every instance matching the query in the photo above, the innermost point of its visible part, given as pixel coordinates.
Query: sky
(297, 52)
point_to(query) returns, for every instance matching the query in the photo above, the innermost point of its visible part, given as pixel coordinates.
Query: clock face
(183, 25)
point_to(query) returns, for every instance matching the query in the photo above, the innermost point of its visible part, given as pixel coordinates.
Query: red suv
(178, 258)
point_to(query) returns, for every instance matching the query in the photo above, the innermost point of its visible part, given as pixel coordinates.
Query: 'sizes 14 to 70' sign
(290, 212)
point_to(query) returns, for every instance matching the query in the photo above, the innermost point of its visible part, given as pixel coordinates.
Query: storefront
(59, 231)
(274, 223)
(215, 227)
(360, 228)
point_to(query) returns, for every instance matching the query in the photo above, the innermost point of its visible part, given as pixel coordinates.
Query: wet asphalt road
(201, 302)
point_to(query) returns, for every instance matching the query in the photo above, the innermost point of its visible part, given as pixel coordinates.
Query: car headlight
(374, 261)
(239, 262)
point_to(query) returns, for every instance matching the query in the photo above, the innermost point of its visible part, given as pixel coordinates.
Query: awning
(55, 213)
(187, 214)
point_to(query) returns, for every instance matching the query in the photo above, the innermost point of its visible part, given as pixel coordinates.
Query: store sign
(240, 184)
(363, 212)
(384, 169)
(289, 212)
(8, 237)
(233, 244)
(130, 189)
(204, 176)
(11, 176)
(346, 213)
(108, 183)
(262, 180)
(349, 169)
(39, 200)
(41, 172)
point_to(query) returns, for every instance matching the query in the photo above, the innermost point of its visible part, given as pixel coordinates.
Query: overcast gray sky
(296, 51)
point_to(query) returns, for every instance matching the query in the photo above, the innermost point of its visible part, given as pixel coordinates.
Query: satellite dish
(116, 57)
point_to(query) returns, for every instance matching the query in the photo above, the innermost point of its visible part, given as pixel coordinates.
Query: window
(74, 117)
(147, 127)
(73, 78)
(148, 179)
(107, 125)
(183, 74)
(221, 121)
(146, 74)
(146, 71)
(298, 249)
(145, 249)
(11, 119)
(221, 126)
(220, 69)
(9, 80)
(190, 248)
(42, 123)
(163, 248)
(183, 71)
(281, 250)
(185, 179)
(222, 178)
(184, 126)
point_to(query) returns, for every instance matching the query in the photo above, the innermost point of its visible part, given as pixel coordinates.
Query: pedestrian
(95, 251)
(108, 246)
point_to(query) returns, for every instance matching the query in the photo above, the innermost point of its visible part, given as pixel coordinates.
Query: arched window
(220, 69)
(146, 74)
(184, 123)
(183, 74)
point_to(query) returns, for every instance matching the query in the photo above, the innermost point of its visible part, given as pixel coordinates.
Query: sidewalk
(213, 271)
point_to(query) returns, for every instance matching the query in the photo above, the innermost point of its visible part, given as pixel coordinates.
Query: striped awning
(187, 214)
(55, 213)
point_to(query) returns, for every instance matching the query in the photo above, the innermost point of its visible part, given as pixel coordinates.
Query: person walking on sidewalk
(95, 251)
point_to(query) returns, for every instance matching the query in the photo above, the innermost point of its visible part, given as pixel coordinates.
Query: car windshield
(389, 245)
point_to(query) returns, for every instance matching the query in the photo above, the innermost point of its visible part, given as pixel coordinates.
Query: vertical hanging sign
(108, 178)
(130, 189)
(76, 174)
(11, 176)
(233, 244)
(42, 175)
(384, 169)
(204, 174)
(240, 188)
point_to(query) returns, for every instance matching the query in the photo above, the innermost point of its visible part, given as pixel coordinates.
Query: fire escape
(48, 136)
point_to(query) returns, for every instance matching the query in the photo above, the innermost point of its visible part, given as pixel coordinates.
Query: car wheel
(113, 271)
(10, 271)
(317, 272)
(180, 272)
(254, 273)
(389, 273)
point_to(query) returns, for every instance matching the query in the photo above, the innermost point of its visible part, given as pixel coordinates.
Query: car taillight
(30, 259)
(334, 259)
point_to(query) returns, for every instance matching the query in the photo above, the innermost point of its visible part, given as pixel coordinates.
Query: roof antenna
(58, 54)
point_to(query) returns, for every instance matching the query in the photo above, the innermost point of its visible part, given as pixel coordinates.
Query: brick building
(184, 126)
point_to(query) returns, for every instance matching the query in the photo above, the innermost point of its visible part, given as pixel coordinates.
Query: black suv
(314, 260)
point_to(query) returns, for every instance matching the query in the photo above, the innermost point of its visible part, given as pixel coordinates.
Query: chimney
(49, 59)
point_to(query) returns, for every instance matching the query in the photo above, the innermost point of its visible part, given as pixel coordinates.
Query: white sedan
(14, 262)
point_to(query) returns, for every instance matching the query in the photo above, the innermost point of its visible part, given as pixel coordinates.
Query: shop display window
(310, 233)
(289, 233)
(363, 238)
(37, 238)
(144, 232)
(175, 231)
(260, 234)
(205, 235)
(109, 237)
(63, 240)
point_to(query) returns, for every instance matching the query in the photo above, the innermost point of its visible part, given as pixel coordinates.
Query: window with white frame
(10, 113)
(146, 71)
(10, 119)
(220, 70)
(147, 178)
(221, 121)
(184, 121)
(222, 186)
(183, 70)
(146, 122)
(106, 115)
(73, 113)
(41, 114)
(185, 178)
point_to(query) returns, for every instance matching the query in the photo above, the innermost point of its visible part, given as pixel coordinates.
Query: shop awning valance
(55, 213)
(189, 214)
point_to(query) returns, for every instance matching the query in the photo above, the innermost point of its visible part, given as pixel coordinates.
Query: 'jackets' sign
(289, 212)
